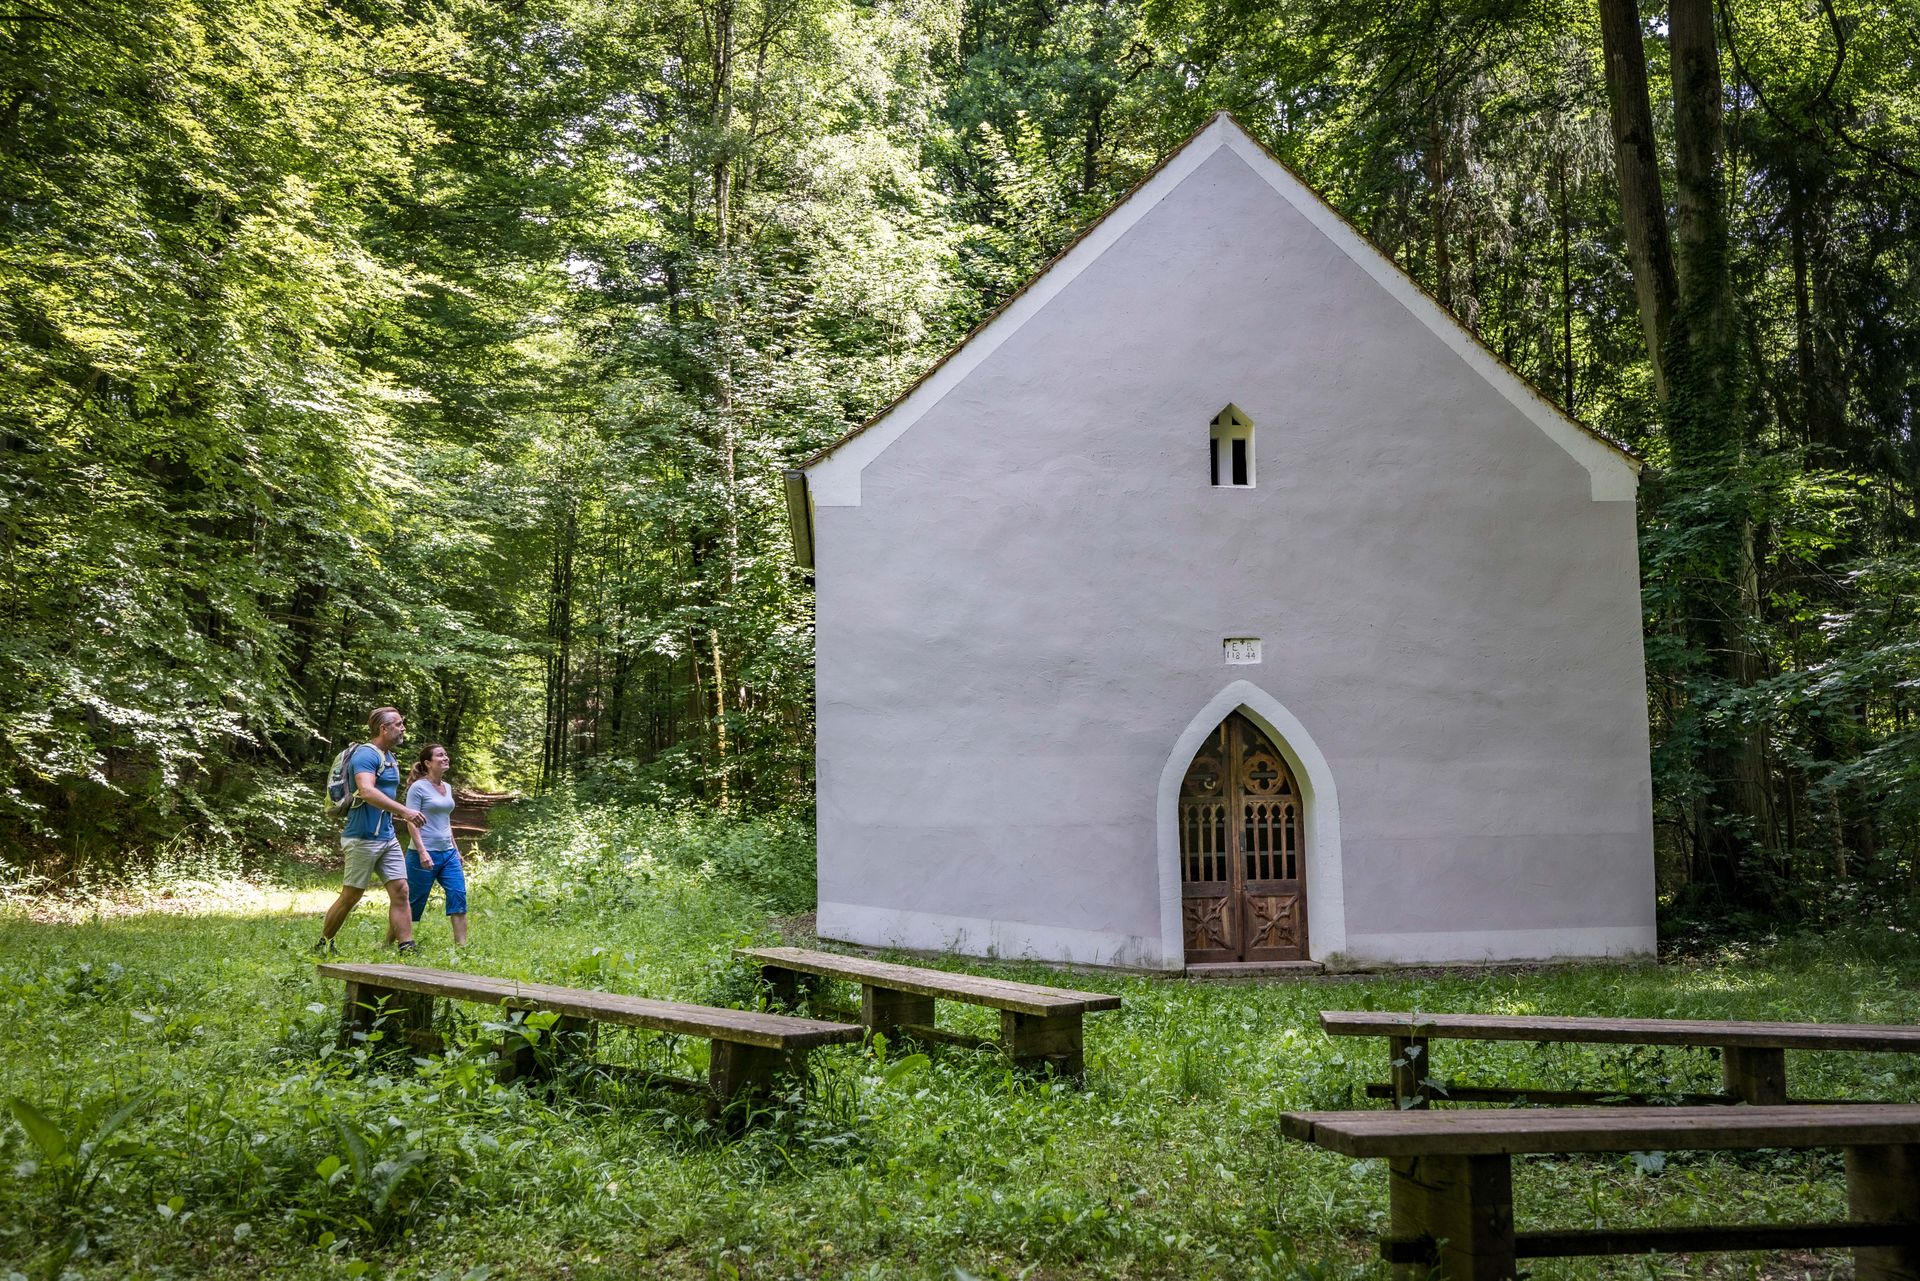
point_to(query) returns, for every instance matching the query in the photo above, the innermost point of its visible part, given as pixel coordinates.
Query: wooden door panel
(1273, 927)
(1210, 934)
(1242, 851)
(1208, 840)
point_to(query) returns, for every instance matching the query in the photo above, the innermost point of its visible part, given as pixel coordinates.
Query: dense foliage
(448, 355)
(173, 1101)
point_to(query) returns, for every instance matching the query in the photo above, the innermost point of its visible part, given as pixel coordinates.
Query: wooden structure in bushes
(473, 812)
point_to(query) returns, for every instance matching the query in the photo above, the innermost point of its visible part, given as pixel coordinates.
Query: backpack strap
(353, 788)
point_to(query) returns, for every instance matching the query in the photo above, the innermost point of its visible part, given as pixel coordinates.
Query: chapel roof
(1216, 118)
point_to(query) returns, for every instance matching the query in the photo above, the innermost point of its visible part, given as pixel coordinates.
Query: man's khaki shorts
(369, 860)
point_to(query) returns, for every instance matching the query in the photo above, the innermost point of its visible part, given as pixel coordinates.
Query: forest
(449, 354)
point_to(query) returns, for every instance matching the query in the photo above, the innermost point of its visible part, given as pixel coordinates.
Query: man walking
(367, 843)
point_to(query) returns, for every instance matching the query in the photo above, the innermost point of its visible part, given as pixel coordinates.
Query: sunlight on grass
(188, 898)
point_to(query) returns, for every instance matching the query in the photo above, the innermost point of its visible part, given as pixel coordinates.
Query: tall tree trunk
(1828, 374)
(1683, 283)
(1643, 208)
(1708, 426)
(724, 325)
(330, 723)
(1566, 286)
(720, 722)
(1706, 410)
(1090, 149)
(559, 664)
(1802, 307)
(722, 37)
(1437, 197)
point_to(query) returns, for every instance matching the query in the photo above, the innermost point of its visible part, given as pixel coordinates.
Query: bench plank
(1524, 1096)
(747, 1027)
(1703, 1238)
(1699, 1032)
(1692, 1238)
(1004, 994)
(1486, 1133)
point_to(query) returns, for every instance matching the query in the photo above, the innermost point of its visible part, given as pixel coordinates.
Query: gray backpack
(342, 796)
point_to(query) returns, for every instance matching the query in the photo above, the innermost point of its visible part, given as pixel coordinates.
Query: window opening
(1230, 434)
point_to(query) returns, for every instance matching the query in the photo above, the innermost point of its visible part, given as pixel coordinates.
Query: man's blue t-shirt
(370, 822)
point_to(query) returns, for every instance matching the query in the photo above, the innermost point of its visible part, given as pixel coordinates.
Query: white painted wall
(1024, 579)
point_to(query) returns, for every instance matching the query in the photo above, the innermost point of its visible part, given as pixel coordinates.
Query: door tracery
(1242, 865)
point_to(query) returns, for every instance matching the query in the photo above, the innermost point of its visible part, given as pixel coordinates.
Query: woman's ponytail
(419, 770)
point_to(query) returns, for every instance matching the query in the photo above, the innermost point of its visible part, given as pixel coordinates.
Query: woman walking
(438, 857)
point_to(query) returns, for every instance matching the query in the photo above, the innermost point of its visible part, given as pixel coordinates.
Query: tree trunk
(1436, 191)
(559, 664)
(1707, 429)
(1643, 209)
(1566, 286)
(722, 37)
(1706, 407)
(1802, 306)
(722, 767)
(332, 719)
(1683, 283)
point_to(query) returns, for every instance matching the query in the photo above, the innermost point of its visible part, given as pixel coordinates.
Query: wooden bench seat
(1752, 1054)
(1039, 1026)
(750, 1048)
(1451, 1192)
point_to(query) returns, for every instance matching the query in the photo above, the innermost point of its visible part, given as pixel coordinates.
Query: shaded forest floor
(247, 1146)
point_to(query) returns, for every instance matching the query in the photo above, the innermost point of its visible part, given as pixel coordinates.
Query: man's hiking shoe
(407, 949)
(325, 947)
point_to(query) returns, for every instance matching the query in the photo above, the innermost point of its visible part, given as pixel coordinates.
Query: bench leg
(740, 1075)
(1407, 1060)
(1035, 1042)
(518, 1059)
(884, 1010)
(1754, 1075)
(789, 987)
(1465, 1204)
(1883, 1186)
(405, 1019)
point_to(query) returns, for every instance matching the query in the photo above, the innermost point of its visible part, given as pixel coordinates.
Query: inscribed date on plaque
(1242, 649)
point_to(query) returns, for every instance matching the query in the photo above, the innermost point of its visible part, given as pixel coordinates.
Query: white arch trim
(1326, 889)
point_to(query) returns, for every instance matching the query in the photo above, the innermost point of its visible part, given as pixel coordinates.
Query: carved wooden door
(1242, 865)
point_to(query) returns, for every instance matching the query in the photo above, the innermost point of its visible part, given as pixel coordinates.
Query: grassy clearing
(198, 1122)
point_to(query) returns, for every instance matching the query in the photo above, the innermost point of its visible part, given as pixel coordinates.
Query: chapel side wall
(953, 812)
(1027, 606)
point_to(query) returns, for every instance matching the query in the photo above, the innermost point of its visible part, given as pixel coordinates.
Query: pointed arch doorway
(1242, 850)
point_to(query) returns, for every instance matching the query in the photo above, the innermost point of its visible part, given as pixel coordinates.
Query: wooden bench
(1752, 1055)
(1039, 1026)
(1451, 1188)
(751, 1050)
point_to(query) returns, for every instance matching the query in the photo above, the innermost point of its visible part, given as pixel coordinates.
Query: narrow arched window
(1230, 448)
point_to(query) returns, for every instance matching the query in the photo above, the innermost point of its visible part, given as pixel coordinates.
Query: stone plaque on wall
(1242, 649)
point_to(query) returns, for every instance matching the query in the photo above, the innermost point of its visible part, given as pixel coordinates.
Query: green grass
(188, 1042)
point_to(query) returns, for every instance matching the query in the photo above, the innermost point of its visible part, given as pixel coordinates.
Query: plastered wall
(1025, 611)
